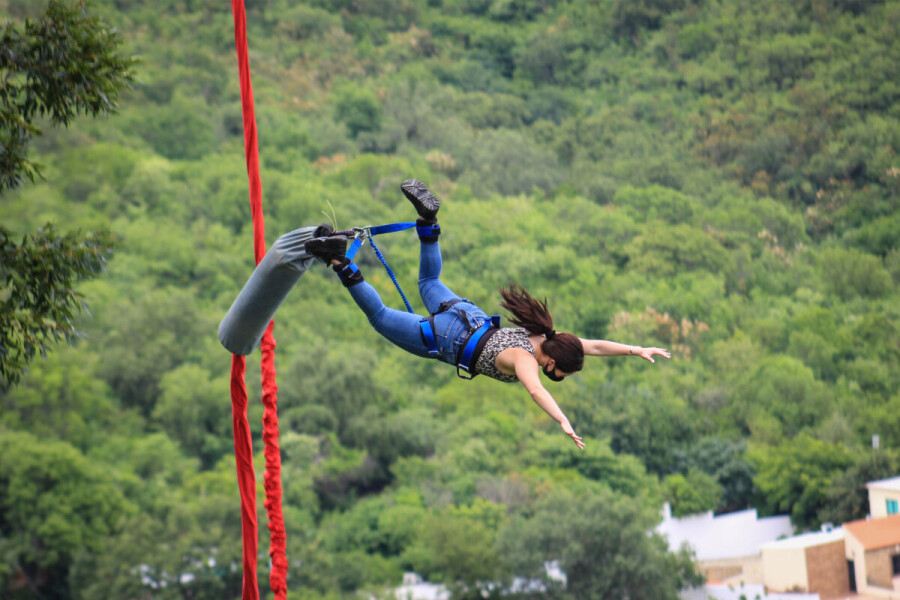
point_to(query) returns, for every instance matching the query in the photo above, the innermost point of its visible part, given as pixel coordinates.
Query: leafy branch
(60, 66)
(38, 302)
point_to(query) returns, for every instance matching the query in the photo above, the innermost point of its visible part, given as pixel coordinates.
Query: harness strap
(354, 247)
(428, 230)
(361, 233)
(467, 356)
(473, 344)
(350, 269)
(445, 306)
(390, 228)
(427, 328)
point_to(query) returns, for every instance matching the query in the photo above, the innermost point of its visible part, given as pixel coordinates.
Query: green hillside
(716, 177)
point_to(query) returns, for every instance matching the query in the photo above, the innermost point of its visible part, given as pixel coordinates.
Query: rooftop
(876, 533)
(886, 484)
(808, 540)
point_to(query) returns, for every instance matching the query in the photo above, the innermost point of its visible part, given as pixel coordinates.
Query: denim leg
(432, 290)
(399, 327)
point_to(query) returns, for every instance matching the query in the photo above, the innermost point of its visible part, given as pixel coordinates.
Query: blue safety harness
(473, 344)
(467, 355)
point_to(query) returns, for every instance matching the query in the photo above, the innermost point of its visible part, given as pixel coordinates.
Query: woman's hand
(567, 428)
(649, 353)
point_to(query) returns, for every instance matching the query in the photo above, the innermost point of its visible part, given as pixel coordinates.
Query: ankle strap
(428, 231)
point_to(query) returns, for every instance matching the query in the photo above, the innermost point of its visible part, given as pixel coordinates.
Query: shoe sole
(425, 203)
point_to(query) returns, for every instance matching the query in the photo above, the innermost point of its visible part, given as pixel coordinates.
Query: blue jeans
(451, 327)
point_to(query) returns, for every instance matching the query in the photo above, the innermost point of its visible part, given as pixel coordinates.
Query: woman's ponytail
(532, 314)
(528, 312)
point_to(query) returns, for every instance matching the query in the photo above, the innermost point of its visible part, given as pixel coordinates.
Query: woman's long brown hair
(532, 314)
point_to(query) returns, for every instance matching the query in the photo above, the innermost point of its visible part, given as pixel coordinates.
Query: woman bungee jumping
(460, 333)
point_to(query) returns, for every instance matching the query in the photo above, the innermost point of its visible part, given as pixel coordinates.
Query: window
(892, 508)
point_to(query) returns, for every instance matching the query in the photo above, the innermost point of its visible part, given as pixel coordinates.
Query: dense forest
(716, 177)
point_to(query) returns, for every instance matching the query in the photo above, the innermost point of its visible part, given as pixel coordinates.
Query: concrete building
(873, 556)
(884, 497)
(808, 563)
(739, 591)
(861, 557)
(726, 546)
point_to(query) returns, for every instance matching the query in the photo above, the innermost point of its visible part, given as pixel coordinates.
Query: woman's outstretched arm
(607, 348)
(526, 369)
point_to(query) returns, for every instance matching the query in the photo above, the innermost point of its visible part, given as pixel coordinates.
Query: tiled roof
(876, 533)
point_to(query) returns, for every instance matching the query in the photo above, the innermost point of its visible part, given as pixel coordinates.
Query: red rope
(243, 446)
(272, 475)
(243, 454)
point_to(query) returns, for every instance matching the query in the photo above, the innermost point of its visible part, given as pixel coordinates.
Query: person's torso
(500, 340)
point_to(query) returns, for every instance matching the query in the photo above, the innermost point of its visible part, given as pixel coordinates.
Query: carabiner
(361, 233)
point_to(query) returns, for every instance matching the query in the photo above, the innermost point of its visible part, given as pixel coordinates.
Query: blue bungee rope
(362, 233)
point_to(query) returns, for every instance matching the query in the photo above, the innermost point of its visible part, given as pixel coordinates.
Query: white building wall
(880, 492)
(784, 569)
(734, 535)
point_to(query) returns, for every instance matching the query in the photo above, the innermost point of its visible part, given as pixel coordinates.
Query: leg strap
(349, 273)
(426, 326)
(428, 230)
(427, 329)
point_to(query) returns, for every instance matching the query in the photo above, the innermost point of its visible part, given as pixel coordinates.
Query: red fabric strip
(272, 475)
(243, 454)
(251, 148)
(243, 444)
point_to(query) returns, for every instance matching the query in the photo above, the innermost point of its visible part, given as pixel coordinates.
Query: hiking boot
(327, 249)
(426, 203)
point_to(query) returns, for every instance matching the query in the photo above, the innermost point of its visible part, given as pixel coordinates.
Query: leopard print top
(506, 337)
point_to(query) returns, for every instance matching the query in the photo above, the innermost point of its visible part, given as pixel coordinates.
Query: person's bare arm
(521, 363)
(608, 348)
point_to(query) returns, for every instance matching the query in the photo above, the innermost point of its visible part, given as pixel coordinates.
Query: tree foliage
(795, 477)
(39, 304)
(59, 66)
(55, 505)
(584, 533)
(693, 493)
